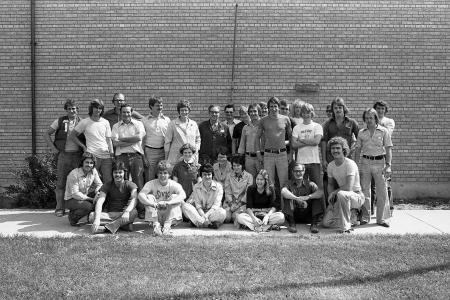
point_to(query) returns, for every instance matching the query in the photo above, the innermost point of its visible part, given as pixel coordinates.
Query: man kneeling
(207, 198)
(115, 205)
(161, 198)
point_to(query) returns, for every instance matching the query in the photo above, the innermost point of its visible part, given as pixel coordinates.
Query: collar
(178, 122)
(81, 172)
(346, 119)
(162, 116)
(213, 185)
(378, 127)
(132, 122)
(297, 183)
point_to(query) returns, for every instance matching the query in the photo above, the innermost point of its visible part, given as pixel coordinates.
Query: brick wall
(360, 50)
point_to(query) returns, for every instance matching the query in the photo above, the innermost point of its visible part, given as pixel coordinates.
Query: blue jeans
(277, 163)
(153, 156)
(67, 161)
(104, 167)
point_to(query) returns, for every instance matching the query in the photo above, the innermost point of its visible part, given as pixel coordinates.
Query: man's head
(370, 117)
(329, 111)
(237, 163)
(163, 173)
(119, 170)
(229, 112)
(307, 111)
(297, 107)
(184, 108)
(214, 113)
(284, 107)
(87, 162)
(264, 109)
(274, 106)
(126, 111)
(298, 171)
(96, 108)
(118, 100)
(339, 108)
(243, 114)
(155, 104)
(206, 172)
(381, 107)
(254, 111)
(338, 147)
(70, 106)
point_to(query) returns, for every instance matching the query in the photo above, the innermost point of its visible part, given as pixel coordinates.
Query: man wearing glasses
(113, 115)
(230, 121)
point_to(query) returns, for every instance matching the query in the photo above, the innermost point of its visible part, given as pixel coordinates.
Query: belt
(252, 154)
(379, 157)
(154, 148)
(278, 151)
(130, 154)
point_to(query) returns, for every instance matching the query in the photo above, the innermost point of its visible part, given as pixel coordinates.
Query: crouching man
(302, 200)
(344, 189)
(207, 198)
(161, 198)
(115, 205)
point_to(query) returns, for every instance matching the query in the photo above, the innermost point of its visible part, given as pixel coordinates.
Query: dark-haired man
(69, 153)
(98, 138)
(115, 203)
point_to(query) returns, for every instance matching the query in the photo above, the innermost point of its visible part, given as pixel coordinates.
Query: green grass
(331, 267)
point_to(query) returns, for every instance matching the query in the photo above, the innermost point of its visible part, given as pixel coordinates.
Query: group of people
(259, 172)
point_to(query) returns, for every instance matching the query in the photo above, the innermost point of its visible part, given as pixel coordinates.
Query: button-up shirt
(346, 131)
(236, 188)
(124, 130)
(221, 174)
(155, 128)
(207, 199)
(79, 185)
(247, 143)
(374, 145)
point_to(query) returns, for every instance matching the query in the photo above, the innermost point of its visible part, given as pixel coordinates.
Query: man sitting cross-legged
(302, 200)
(161, 198)
(115, 205)
(207, 199)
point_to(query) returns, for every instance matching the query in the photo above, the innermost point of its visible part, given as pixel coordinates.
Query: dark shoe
(73, 218)
(384, 224)
(363, 222)
(127, 227)
(141, 215)
(345, 231)
(213, 225)
(314, 228)
(59, 212)
(275, 227)
(292, 228)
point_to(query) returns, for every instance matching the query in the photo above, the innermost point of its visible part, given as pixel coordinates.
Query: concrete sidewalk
(42, 223)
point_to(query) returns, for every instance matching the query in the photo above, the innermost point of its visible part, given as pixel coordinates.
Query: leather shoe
(314, 228)
(384, 224)
(292, 228)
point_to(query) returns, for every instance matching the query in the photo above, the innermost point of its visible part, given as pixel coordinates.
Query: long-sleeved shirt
(79, 185)
(236, 188)
(207, 199)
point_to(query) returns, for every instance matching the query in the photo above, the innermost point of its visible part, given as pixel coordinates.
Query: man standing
(113, 115)
(237, 131)
(69, 153)
(302, 200)
(273, 129)
(207, 199)
(247, 144)
(374, 143)
(155, 125)
(230, 121)
(98, 139)
(344, 189)
(116, 202)
(127, 137)
(162, 198)
(213, 135)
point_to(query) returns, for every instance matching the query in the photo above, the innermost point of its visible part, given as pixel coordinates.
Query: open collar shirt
(155, 128)
(79, 184)
(124, 130)
(374, 145)
(207, 199)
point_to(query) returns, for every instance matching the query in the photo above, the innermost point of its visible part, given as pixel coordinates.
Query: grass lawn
(128, 266)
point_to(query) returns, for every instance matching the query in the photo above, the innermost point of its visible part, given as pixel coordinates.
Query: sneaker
(354, 217)
(213, 225)
(73, 219)
(314, 228)
(59, 212)
(166, 231)
(384, 224)
(292, 228)
(157, 230)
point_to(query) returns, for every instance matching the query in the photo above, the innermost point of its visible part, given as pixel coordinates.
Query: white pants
(338, 214)
(217, 216)
(277, 218)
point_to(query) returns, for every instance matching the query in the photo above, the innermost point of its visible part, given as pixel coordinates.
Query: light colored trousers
(231, 216)
(277, 218)
(338, 213)
(278, 162)
(374, 169)
(153, 156)
(252, 165)
(218, 215)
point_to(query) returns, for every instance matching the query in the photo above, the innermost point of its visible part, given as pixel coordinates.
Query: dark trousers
(313, 213)
(79, 208)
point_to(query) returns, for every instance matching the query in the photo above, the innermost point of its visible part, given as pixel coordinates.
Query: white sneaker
(166, 231)
(157, 230)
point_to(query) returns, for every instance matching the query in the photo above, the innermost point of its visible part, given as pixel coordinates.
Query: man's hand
(331, 197)
(259, 157)
(146, 162)
(126, 216)
(161, 205)
(324, 165)
(302, 203)
(387, 171)
(95, 226)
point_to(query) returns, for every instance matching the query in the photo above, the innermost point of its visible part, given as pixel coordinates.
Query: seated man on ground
(302, 200)
(207, 199)
(344, 188)
(162, 198)
(236, 186)
(222, 167)
(82, 185)
(262, 208)
(115, 205)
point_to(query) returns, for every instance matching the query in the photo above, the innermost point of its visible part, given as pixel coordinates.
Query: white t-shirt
(307, 154)
(341, 172)
(96, 133)
(69, 126)
(163, 193)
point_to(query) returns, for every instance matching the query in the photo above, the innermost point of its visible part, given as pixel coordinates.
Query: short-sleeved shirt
(70, 144)
(96, 133)
(374, 145)
(307, 154)
(261, 200)
(121, 130)
(163, 193)
(331, 129)
(340, 173)
(117, 198)
(187, 174)
(389, 124)
(155, 128)
(301, 188)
